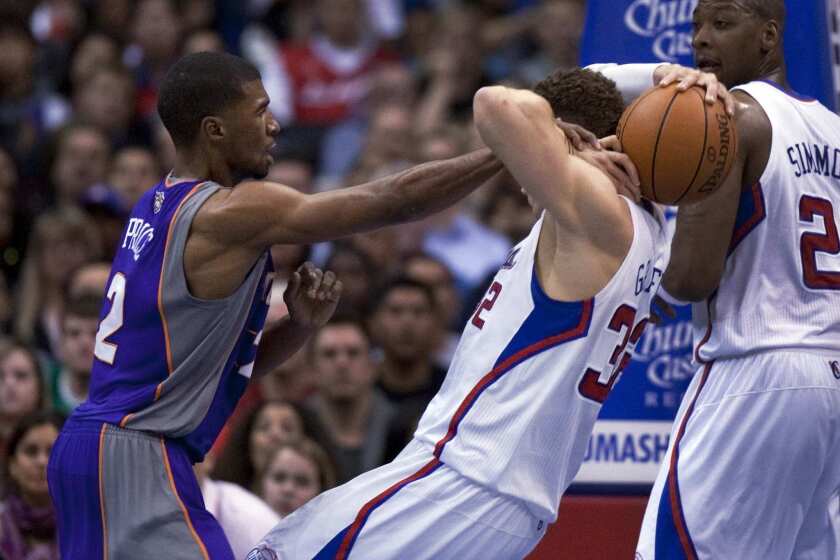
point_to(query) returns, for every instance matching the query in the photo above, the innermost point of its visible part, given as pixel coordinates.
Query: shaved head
(764, 10)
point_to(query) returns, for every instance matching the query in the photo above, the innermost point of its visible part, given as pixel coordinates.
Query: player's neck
(774, 70)
(197, 164)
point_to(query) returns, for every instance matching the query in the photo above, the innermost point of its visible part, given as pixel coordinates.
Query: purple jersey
(167, 362)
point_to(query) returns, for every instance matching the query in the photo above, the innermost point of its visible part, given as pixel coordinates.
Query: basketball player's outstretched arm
(704, 229)
(518, 125)
(260, 214)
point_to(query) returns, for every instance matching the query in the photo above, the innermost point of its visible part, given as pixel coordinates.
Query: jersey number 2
(487, 304)
(812, 243)
(591, 386)
(105, 351)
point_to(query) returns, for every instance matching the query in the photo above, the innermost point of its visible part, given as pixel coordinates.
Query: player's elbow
(488, 103)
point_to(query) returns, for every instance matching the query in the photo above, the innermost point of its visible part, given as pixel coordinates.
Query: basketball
(682, 146)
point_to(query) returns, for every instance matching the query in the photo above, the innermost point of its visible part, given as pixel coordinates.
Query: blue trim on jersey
(789, 92)
(331, 549)
(667, 543)
(752, 211)
(548, 318)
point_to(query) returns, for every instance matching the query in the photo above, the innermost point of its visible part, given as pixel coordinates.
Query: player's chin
(261, 170)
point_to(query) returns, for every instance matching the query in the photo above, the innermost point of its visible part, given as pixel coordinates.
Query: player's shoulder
(751, 120)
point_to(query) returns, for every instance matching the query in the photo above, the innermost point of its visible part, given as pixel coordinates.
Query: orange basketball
(682, 147)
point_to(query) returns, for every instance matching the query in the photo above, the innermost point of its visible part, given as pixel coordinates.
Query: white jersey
(781, 285)
(530, 373)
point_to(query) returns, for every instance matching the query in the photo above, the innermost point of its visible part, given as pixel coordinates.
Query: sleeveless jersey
(781, 284)
(530, 373)
(167, 362)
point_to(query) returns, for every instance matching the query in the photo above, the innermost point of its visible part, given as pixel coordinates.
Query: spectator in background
(27, 517)
(557, 30)
(89, 278)
(203, 40)
(5, 306)
(105, 99)
(430, 271)
(70, 378)
(404, 325)
(246, 451)
(156, 31)
(28, 112)
(244, 516)
(13, 223)
(21, 387)
(82, 155)
(321, 83)
(108, 212)
(94, 51)
(62, 240)
(294, 173)
(296, 473)
(354, 416)
(358, 278)
(134, 170)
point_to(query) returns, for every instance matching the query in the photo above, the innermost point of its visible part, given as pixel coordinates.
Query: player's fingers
(629, 168)
(728, 101)
(326, 285)
(670, 78)
(571, 133)
(611, 143)
(315, 282)
(294, 284)
(589, 138)
(335, 291)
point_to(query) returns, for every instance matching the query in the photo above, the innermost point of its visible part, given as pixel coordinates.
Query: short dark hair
(583, 97)
(24, 425)
(767, 10)
(342, 320)
(200, 85)
(404, 283)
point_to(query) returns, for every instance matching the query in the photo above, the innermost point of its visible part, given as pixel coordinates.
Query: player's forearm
(631, 79)
(278, 344)
(431, 187)
(700, 247)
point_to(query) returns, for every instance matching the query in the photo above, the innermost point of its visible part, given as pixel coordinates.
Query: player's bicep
(704, 229)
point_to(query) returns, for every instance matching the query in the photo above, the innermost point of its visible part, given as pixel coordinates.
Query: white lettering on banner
(658, 19)
(624, 452)
(666, 349)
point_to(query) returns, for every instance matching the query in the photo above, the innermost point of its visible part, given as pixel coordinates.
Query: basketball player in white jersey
(502, 440)
(753, 471)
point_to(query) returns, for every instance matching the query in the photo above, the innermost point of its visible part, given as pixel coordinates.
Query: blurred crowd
(362, 88)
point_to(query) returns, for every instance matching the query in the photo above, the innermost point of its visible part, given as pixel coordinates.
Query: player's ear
(771, 35)
(212, 128)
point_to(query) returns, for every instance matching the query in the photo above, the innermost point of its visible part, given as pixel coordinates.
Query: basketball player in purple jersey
(753, 470)
(186, 303)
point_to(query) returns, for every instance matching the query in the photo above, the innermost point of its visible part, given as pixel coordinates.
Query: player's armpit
(704, 229)
(519, 127)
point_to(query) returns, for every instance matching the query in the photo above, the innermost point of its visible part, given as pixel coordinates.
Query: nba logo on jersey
(159, 196)
(261, 553)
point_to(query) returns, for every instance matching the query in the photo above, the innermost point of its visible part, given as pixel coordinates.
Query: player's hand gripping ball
(682, 146)
(312, 295)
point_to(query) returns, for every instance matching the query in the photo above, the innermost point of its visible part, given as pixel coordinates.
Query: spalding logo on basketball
(682, 146)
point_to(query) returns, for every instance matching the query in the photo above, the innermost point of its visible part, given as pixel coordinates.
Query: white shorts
(753, 468)
(414, 507)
